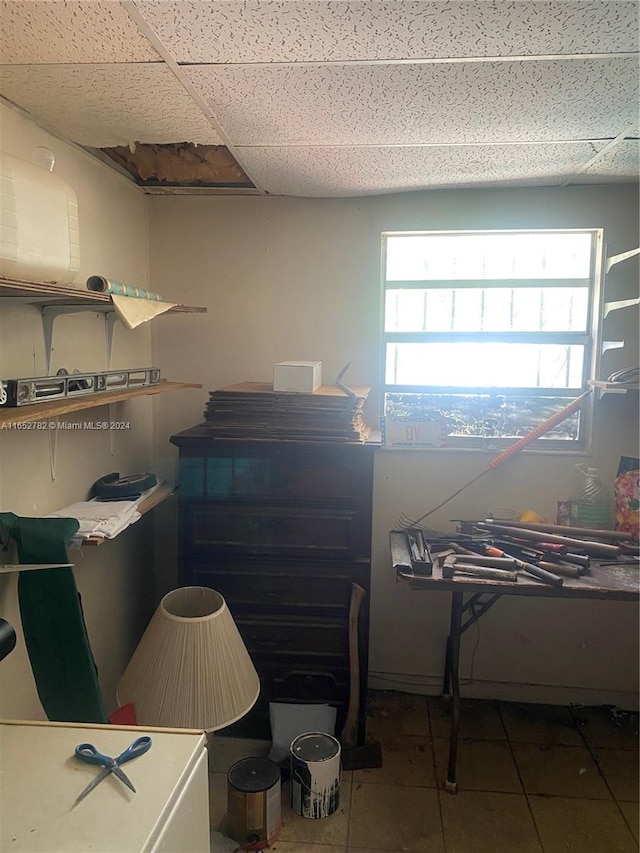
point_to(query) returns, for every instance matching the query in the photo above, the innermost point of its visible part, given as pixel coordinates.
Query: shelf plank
(43, 293)
(163, 492)
(604, 387)
(53, 408)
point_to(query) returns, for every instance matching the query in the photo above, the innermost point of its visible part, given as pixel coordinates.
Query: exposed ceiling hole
(181, 163)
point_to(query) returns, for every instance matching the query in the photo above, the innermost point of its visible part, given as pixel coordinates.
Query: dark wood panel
(282, 529)
(293, 588)
(277, 638)
(226, 469)
(258, 478)
(266, 529)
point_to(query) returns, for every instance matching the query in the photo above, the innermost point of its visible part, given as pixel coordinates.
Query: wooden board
(255, 410)
(53, 408)
(267, 388)
(47, 293)
(618, 583)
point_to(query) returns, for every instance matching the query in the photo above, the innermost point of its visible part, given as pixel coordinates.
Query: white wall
(300, 279)
(116, 579)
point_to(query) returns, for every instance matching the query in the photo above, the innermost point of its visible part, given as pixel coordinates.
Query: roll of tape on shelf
(113, 487)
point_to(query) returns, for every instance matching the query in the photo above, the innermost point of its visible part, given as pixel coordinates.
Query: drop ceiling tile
(333, 172)
(259, 31)
(108, 105)
(100, 31)
(407, 104)
(620, 164)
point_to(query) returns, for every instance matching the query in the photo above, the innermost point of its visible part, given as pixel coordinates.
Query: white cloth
(105, 519)
(99, 518)
(132, 311)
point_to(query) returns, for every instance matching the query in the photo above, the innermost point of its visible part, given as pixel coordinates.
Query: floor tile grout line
(351, 794)
(590, 749)
(524, 790)
(431, 705)
(439, 788)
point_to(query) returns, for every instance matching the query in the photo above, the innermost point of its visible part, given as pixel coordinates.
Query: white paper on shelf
(132, 312)
(105, 519)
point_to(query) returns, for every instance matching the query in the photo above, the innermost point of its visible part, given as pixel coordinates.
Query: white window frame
(591, 339)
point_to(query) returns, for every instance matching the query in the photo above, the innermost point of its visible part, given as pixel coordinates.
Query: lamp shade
(191, 668)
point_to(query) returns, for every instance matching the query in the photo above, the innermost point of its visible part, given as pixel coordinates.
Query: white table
(40, 778)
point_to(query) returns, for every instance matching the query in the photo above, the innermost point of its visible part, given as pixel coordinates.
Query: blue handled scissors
(87, 752)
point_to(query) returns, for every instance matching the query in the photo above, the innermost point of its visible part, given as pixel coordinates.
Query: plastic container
(591, 502)
(39, 236)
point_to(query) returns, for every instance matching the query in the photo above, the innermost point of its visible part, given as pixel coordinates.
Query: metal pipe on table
(595, 548)
(473, 558)
(565, 530)
(453, 567)
(560, 569)
(530, 568)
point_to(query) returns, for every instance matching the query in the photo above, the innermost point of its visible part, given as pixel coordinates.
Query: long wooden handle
(565, 530)
(350, 730)
(521, 443)
(478, 571)
(596, 548)
(536, 432)
(540, 573)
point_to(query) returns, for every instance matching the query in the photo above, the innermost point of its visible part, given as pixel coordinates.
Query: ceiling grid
(330, 98)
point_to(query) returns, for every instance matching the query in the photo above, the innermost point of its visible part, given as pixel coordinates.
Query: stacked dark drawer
(282, 529)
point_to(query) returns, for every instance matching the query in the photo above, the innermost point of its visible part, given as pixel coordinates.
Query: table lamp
(191, 668)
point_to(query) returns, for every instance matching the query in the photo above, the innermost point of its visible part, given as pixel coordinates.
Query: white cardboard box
(304, 376)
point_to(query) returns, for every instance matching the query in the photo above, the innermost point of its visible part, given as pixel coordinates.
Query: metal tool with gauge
(37, 389)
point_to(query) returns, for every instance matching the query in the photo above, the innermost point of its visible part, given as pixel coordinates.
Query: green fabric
(53, 623)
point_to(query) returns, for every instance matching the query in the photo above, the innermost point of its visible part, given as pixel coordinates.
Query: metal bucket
(315, 775)
(253, 800)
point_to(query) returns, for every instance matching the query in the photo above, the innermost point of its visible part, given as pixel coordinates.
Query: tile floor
(531, 779)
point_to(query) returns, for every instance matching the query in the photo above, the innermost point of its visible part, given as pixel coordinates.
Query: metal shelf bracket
(53, 427)
(51, 312)
(612, 260)
(110, 320)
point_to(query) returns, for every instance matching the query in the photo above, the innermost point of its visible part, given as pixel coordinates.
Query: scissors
(87, 752)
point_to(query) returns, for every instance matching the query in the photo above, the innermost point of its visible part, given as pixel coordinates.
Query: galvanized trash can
(315, 775)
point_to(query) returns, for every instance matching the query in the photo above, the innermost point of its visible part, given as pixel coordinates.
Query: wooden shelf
(41, 293)
(46, 411)
(604, 387)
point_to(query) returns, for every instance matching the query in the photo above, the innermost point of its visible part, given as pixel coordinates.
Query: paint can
(253, 803)
(315, 775)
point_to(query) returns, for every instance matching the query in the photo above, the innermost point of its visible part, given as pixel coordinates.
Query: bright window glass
(488, 317)
(519, 255)
(531, 309)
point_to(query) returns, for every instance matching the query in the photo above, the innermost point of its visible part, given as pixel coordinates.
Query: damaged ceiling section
(316, 98)
(181, 164)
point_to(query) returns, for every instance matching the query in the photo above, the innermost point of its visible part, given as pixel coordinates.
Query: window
(487, 334)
